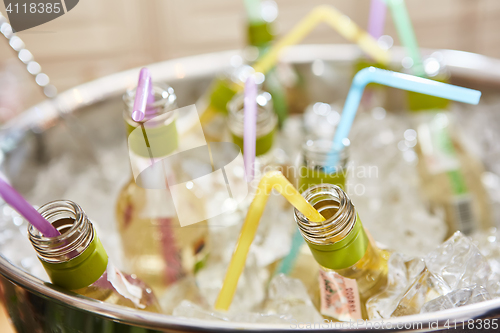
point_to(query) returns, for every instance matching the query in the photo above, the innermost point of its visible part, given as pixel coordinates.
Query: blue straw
(395, 80)
(286, 265)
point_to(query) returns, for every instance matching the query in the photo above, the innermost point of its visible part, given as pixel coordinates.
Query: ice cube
(184, 289)
(250, 291)
(383, 183)
(188, 309)
(287, 300)
(488, 243)
(289, 297)
(402, 272)
(457, 298)
(457, 263)
(262, 318)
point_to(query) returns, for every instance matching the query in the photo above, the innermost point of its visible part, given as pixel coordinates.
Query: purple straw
(142, 95)
(376, 21)
(250, 127)
(16, 201)
(151, 95)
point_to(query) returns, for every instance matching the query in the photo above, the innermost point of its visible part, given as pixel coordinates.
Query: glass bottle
(215, 100)
(156, 247)
(299, 262)
(265, 130)
(450, 174)
(77, 261)
(260, 32)
(260, 36)
(340, 245)
(313, 165)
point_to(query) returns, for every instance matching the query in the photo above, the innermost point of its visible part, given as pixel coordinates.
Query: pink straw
(376, 21)
(142, 95)
(16, 201)
(250, 127)
(151, 95)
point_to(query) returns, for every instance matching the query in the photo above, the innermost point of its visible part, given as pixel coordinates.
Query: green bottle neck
(81, 271)
(76, 258)
(340, 241)
(345, 252)
(260, 34)
(265, 125)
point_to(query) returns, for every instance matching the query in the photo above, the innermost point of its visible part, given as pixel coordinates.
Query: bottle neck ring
(76, 258)
(340, 241)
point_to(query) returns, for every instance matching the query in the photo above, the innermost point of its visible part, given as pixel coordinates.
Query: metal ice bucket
(38, 135)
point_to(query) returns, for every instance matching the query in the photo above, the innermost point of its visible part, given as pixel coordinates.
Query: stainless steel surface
(36, 306)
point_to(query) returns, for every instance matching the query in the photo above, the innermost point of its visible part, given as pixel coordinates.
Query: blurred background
(97, 38)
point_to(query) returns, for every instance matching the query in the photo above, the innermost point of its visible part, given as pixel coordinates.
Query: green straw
(406, 34)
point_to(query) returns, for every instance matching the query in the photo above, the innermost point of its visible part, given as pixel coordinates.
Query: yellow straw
(338, 21)
(328, 14)
(270, 180)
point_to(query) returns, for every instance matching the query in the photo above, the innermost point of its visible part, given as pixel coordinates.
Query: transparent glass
(155, 245)
(450, 175)
(370, 274)
(370, 271)
(77, 232)
(267, 121)
(313, 162)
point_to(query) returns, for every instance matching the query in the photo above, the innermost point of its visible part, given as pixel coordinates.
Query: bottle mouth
(76, 231)
(165, 101)
(316, 153)
(266, 117)
(334, 204)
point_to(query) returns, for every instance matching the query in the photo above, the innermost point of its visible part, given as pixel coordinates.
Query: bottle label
(464, 215)
(339, 296)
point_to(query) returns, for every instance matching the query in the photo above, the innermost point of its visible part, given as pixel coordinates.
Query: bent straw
(250, 127)
(376, 20)
(142, 95)
(395, 80)
(406, 34)
(338, 21)
(270, 180)
(328, 14)
(16, 201)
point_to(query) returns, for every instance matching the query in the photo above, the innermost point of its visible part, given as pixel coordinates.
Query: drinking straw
(338, 21)
(142, 95)
(151, 95)
(395, 80)
(406, 34)
(287, 263)
(376, 20)
(328, 14)
(253, 10)
(14, 199)
(250, 127)
(270, 180)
